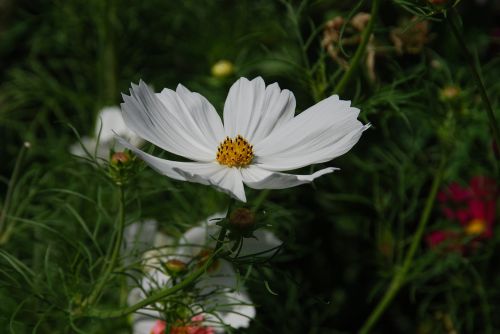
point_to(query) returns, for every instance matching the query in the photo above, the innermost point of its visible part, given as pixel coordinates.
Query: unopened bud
(175, 266)
(120, 158)
(242, 219)
(222, 69)
(449, 93)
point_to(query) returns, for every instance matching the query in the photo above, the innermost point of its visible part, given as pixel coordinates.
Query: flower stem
(4, 235)
(260, 199)
(111, 263)
(453, 20)
(158, 295)
(223, 230)
(400, 276)
(165, 292)
(360, 51)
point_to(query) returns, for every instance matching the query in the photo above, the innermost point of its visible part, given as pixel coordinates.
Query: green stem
(400, 275)
(453, 20)
(360, 51)
(10, 191)
(165, 292)
(106, 57)
(112, 260)
(260, 199)
(160, 294)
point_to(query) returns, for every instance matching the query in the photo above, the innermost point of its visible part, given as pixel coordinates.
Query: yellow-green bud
(175, 266)
(449, 93)
(222, 69)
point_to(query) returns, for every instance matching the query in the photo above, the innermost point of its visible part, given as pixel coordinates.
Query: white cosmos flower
(259, 139)
(109, 122)
(227, 304)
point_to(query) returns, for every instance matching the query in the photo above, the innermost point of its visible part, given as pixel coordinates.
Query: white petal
(85, 143)
(145, 318)
(221, 276)
(254, 110)
(240, 313)
(196, 239)
(227, 180)
(216, 217)
(171, 168)
(200, 237)
(224, 179)
(163, 120)
(258, 178)
(265, 243)
(110, 121)
(319, 134)
(163, 240)
(138, 237)
(232, 308)
(155, 279)
(143, 324)
(200, 114)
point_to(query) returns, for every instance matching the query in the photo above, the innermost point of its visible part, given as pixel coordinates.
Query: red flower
(473, 207)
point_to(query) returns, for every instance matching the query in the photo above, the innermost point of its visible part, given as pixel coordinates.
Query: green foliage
(345, 237)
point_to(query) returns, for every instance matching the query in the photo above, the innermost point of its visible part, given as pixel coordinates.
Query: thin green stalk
(360, 51)
(10, 191)
(400, 276)
(107, 58)
(165, 292)
(112, 260)
(260, 199)
(160, 294)
(453, 20)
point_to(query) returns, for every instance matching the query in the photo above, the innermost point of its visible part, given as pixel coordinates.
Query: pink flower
(472, 207)
(195, 326)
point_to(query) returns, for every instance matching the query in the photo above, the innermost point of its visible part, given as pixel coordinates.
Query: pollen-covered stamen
(475, 227)
(236, 152)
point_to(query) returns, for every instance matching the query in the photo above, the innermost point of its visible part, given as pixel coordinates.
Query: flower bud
(120, 158)
(449, 93)
(222, 69)
(242, 219)
(175, 266)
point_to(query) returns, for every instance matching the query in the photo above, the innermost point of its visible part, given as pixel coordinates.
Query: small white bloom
(228, 303)
(109, 122)
(259, 139)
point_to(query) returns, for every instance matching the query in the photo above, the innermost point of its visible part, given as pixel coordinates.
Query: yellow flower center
(475, 227)
(235, 152)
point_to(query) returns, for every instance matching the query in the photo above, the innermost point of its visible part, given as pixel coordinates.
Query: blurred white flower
(225, 301)
(260, 136)
(109, 122)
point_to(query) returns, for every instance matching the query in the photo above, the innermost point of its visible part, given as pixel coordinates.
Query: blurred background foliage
(345, 236)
